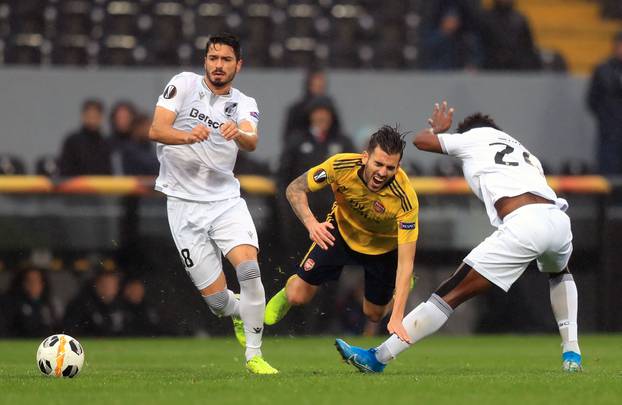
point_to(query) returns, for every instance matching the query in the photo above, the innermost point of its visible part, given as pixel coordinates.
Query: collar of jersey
(206, 87)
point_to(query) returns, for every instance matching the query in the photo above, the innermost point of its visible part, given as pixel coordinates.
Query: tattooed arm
(297, 196)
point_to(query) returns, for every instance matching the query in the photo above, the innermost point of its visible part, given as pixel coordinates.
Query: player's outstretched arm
(162, 130)
(405, 265)
(297, 196)
(440, 121)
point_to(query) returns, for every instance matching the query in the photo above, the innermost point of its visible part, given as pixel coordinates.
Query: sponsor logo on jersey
(230, 108)
(169, 92)
(255, 115)
(194, 113)
(257, 330)
(320, 176)
(378, 207)
(407, 225)
(309, 264)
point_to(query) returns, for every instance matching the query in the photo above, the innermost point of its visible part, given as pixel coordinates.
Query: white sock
(422, 321)
(252, 306)
(565, 303)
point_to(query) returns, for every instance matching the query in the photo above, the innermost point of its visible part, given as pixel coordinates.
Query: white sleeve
(457, 145)
(174, 93)
(248, 111)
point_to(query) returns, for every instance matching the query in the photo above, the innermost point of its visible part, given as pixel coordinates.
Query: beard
(220, 81)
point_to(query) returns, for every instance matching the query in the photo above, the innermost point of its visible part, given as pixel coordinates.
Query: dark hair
(390, 140)
(119, 105)
(92, 103)
(477, 120)
(617, 37)
(225, 39)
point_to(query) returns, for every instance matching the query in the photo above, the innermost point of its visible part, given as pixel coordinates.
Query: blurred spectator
(138, 155)
(11, 165)
(604, 99)
(98, 310)
(140, 318)
(306, 148)
(448, 37)
(28, 308)
(121, 123)
(86, 152)
(507, 40)
(297, 118)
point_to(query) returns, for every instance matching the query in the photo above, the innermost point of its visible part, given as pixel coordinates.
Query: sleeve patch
(320, 176)
(169, 92)
(255, 115)
(407, 225)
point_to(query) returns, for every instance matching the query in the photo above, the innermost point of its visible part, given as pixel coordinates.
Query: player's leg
(499, 259)
(379, 283)
(562, 288)
(235, 234)
(200, 256)
(317, 267)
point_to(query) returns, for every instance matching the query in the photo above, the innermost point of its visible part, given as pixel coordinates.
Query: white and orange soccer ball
(60, 356)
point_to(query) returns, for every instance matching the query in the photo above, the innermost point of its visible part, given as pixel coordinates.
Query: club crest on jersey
(231, 108)
(169, 92)
(378, 207)
(320, 176)
(408, 226)
(309, 264)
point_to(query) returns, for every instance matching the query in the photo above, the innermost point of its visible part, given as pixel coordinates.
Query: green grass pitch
(440, 370)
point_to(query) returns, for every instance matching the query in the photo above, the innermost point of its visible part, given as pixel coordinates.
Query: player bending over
(200, 122)
(373, 224)
(531, 225)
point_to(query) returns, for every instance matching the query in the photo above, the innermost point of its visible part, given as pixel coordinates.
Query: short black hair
(477, 120)
(390, 140)
(225, 39)
(92, 103)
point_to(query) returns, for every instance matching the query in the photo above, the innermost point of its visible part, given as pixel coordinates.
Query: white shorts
(534, 231)
(205, 231)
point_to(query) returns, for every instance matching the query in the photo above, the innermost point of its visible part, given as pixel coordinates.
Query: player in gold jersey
(373, 224)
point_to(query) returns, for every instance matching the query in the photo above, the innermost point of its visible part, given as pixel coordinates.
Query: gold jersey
(370, 222)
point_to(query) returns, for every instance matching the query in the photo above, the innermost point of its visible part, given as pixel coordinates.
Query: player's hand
(229, 130)
(442, 116)
(321, 234)
(198, 134)
(396, 327)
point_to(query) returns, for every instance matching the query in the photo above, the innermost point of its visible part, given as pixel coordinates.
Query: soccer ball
(60, 356)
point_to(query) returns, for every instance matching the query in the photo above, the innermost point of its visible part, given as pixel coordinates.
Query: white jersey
(201, 171)
(495, 165)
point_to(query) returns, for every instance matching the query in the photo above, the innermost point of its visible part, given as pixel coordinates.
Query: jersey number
(499, 156)
(185, 254)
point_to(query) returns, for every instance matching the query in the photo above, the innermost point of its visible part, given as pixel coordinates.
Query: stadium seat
(72, 50)
(167, 33)
(118, 50)
(74, 18)
(11, 165)
(121, 18)
(25, 49)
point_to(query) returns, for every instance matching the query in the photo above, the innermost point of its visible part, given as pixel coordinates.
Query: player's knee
(217, 302)
(248, 270)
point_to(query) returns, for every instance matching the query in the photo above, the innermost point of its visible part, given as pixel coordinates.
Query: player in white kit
(200, 122)
(531, 225)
